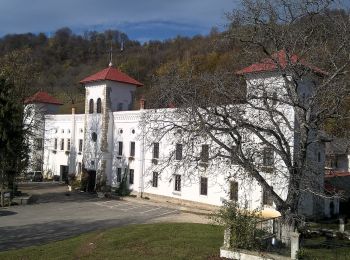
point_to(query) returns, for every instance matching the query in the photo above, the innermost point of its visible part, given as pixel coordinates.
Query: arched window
(98, 106)
(91, 106)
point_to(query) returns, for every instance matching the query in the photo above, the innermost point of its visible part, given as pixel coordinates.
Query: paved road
(55, 216)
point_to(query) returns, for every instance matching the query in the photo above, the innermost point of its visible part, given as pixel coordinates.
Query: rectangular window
(204, 186)
(155, 180)
(62, 144)
(80, 145)
(55, 144)
(38, 144)
(155, 150)
(233, 153)
(131, 176)
(132, 149)
(120, 148)
(178, 152)
(266, 198)
(205, 153)
(79, 168)
(177, 182)
(268, 155)
(68, 144)
(234, 190)
(119, 174)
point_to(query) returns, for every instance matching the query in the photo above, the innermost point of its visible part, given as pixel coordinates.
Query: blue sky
(141, 19)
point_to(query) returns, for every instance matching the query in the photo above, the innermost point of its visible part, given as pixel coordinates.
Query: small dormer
(109, 87)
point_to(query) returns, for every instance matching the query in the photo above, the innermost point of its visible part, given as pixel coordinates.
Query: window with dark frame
(268, 157)
(155, 180)
(119, 174)
(91, 106)
(38, 143)
(233, 151)
(132, 149)
(131, 176)
(205, 153)
(80, 145)
(266, 198)
(204, 186)
(62, 144)
(99, 106)
(178, 152)
(233, 190)
(55, 144)
(68, 144)
(94, 136)
(120, 148)
(274, 98)
(155, 150)
(177, 182)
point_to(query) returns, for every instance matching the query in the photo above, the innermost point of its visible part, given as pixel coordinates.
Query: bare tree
(271, 125)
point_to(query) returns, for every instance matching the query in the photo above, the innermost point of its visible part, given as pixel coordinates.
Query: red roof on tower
(112, 74)
(278, 60)
(42, 97)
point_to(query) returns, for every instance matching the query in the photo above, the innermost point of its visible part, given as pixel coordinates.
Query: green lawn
(154, 241)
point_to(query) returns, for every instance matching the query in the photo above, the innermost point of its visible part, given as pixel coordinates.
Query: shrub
(242, 224)
(123, 189)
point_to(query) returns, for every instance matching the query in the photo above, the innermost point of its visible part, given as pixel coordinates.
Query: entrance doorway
(64, 173)
(91, 181)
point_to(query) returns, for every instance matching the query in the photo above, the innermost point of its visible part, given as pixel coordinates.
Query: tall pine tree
(13, 147)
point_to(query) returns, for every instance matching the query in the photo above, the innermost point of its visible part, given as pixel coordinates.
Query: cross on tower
(111, 52)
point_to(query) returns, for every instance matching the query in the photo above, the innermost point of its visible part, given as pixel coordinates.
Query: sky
(141, 20)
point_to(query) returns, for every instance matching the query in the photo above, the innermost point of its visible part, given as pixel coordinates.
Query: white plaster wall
(121, 93)
(60, 127)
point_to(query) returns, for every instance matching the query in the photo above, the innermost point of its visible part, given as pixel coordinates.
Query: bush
(242, 224)
(123, 189)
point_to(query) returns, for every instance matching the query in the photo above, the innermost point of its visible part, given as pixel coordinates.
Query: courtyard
(55, 214)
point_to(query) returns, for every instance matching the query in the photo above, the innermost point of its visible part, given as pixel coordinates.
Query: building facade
(109, 142)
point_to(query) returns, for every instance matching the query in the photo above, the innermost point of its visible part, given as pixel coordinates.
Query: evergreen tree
(13, 148)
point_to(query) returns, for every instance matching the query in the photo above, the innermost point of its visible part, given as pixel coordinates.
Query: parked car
(36, 176)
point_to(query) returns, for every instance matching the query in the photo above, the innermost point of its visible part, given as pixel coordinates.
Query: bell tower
(106, 91)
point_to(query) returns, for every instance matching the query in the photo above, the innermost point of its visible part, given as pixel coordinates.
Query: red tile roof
(112, 74)
(280, 58)
(42, 97)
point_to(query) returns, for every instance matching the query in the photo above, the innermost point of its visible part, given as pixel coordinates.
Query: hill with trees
(56, 64)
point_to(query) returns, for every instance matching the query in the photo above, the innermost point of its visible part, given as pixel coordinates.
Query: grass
(320, 248)
(153, 241)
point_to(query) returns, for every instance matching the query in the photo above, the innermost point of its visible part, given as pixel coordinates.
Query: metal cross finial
(111, 56)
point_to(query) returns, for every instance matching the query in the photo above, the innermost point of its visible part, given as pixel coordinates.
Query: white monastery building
(107, 141)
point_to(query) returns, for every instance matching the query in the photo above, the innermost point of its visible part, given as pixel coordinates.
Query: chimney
(142, 103)
(73, 110)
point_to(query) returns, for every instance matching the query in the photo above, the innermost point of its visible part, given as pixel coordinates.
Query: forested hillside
(57, 63)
